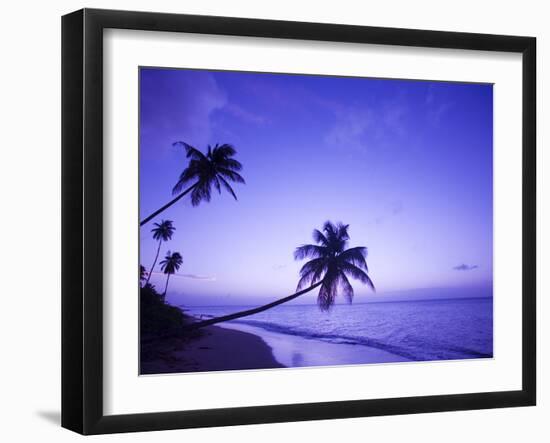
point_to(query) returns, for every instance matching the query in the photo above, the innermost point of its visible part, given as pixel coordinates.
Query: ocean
(411, 330)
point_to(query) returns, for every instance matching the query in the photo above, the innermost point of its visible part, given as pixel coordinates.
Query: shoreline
(214, 349)
(238, 347)
(294, 351)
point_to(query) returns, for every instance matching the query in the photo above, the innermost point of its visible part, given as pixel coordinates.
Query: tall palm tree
(215, 168)
(330, 265)
(169, 266)
(162, 231)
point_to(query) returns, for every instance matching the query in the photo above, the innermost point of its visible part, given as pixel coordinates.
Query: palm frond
(356, 273)
(223, 151)
(314, 266)
(311, 272)
(327, 294)
(201, 192)
(231, 175)
(336, 235)
(191, 151)
(319, 237)
(329, 228)
(227, 187)
(191, 173)
(165, 260)
(346, 287)
(356, 256)
(304, 281)
(217, 185)
(329, 288)
(310, 251)
(342, 231)
(230, 163)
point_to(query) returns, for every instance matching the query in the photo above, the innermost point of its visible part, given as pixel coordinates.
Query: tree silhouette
(169, 266)
(215, 168)
(330, 265)
(162, 231)
(334, 263)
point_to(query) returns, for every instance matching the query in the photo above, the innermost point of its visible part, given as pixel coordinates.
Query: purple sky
(407, 164)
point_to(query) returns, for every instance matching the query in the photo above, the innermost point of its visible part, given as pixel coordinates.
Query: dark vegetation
(159, 319)
(162, 327)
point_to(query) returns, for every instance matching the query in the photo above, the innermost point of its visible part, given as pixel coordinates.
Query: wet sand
(295, 351)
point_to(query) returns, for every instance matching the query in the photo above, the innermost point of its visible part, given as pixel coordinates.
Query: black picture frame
(82, 215)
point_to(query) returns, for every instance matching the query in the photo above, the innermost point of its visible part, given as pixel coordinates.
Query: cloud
(394, 116)
(367, 129)
(176, 105)
(436, 113)
(198, 277)
(465, 267)
(190, 276)
(436, 106)
(244, 115)
(350, 130)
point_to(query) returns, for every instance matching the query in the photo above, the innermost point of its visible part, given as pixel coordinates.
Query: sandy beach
(215, 349)
(240, 347)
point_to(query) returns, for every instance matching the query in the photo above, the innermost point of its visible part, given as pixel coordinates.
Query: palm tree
(330, 265)
(162, 231)
(334, 262)
(169, 266)
(215, 168)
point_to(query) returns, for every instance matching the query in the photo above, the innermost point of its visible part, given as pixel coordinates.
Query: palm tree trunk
(154, 263)
(167, 205)
(248, 312)
(166, 287)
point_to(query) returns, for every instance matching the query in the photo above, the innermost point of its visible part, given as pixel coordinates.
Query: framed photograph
(268, 221)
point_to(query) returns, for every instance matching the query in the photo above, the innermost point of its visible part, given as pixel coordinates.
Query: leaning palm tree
(330, 265)
(162, 231)
(169, 266)
(215, 168)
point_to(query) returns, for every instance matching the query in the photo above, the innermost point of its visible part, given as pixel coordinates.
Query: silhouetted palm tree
(334, 262)
(329, 268)
(215, 168)
(169, 266)
(162, 231)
